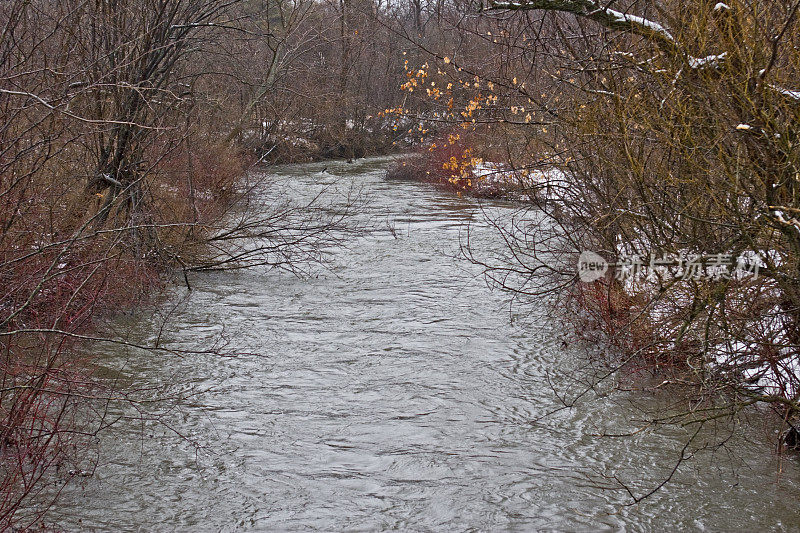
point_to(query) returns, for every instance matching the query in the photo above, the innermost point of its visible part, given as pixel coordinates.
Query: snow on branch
(610, 18)
(794, 95)
(616, 20)
(721, 7)
(624, 22)
(714, 61)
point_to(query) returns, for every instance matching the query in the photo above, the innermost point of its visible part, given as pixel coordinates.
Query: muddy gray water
(393, 391)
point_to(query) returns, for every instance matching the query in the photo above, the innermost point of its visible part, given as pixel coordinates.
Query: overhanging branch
(635, 25)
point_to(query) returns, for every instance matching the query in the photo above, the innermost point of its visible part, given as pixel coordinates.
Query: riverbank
(473, 177)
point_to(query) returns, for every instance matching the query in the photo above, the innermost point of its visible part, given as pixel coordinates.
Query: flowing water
(394, 390)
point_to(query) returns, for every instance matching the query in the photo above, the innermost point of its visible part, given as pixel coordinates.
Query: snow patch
(712, 60)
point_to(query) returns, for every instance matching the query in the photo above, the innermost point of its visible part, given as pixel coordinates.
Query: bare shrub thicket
(679, 139)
